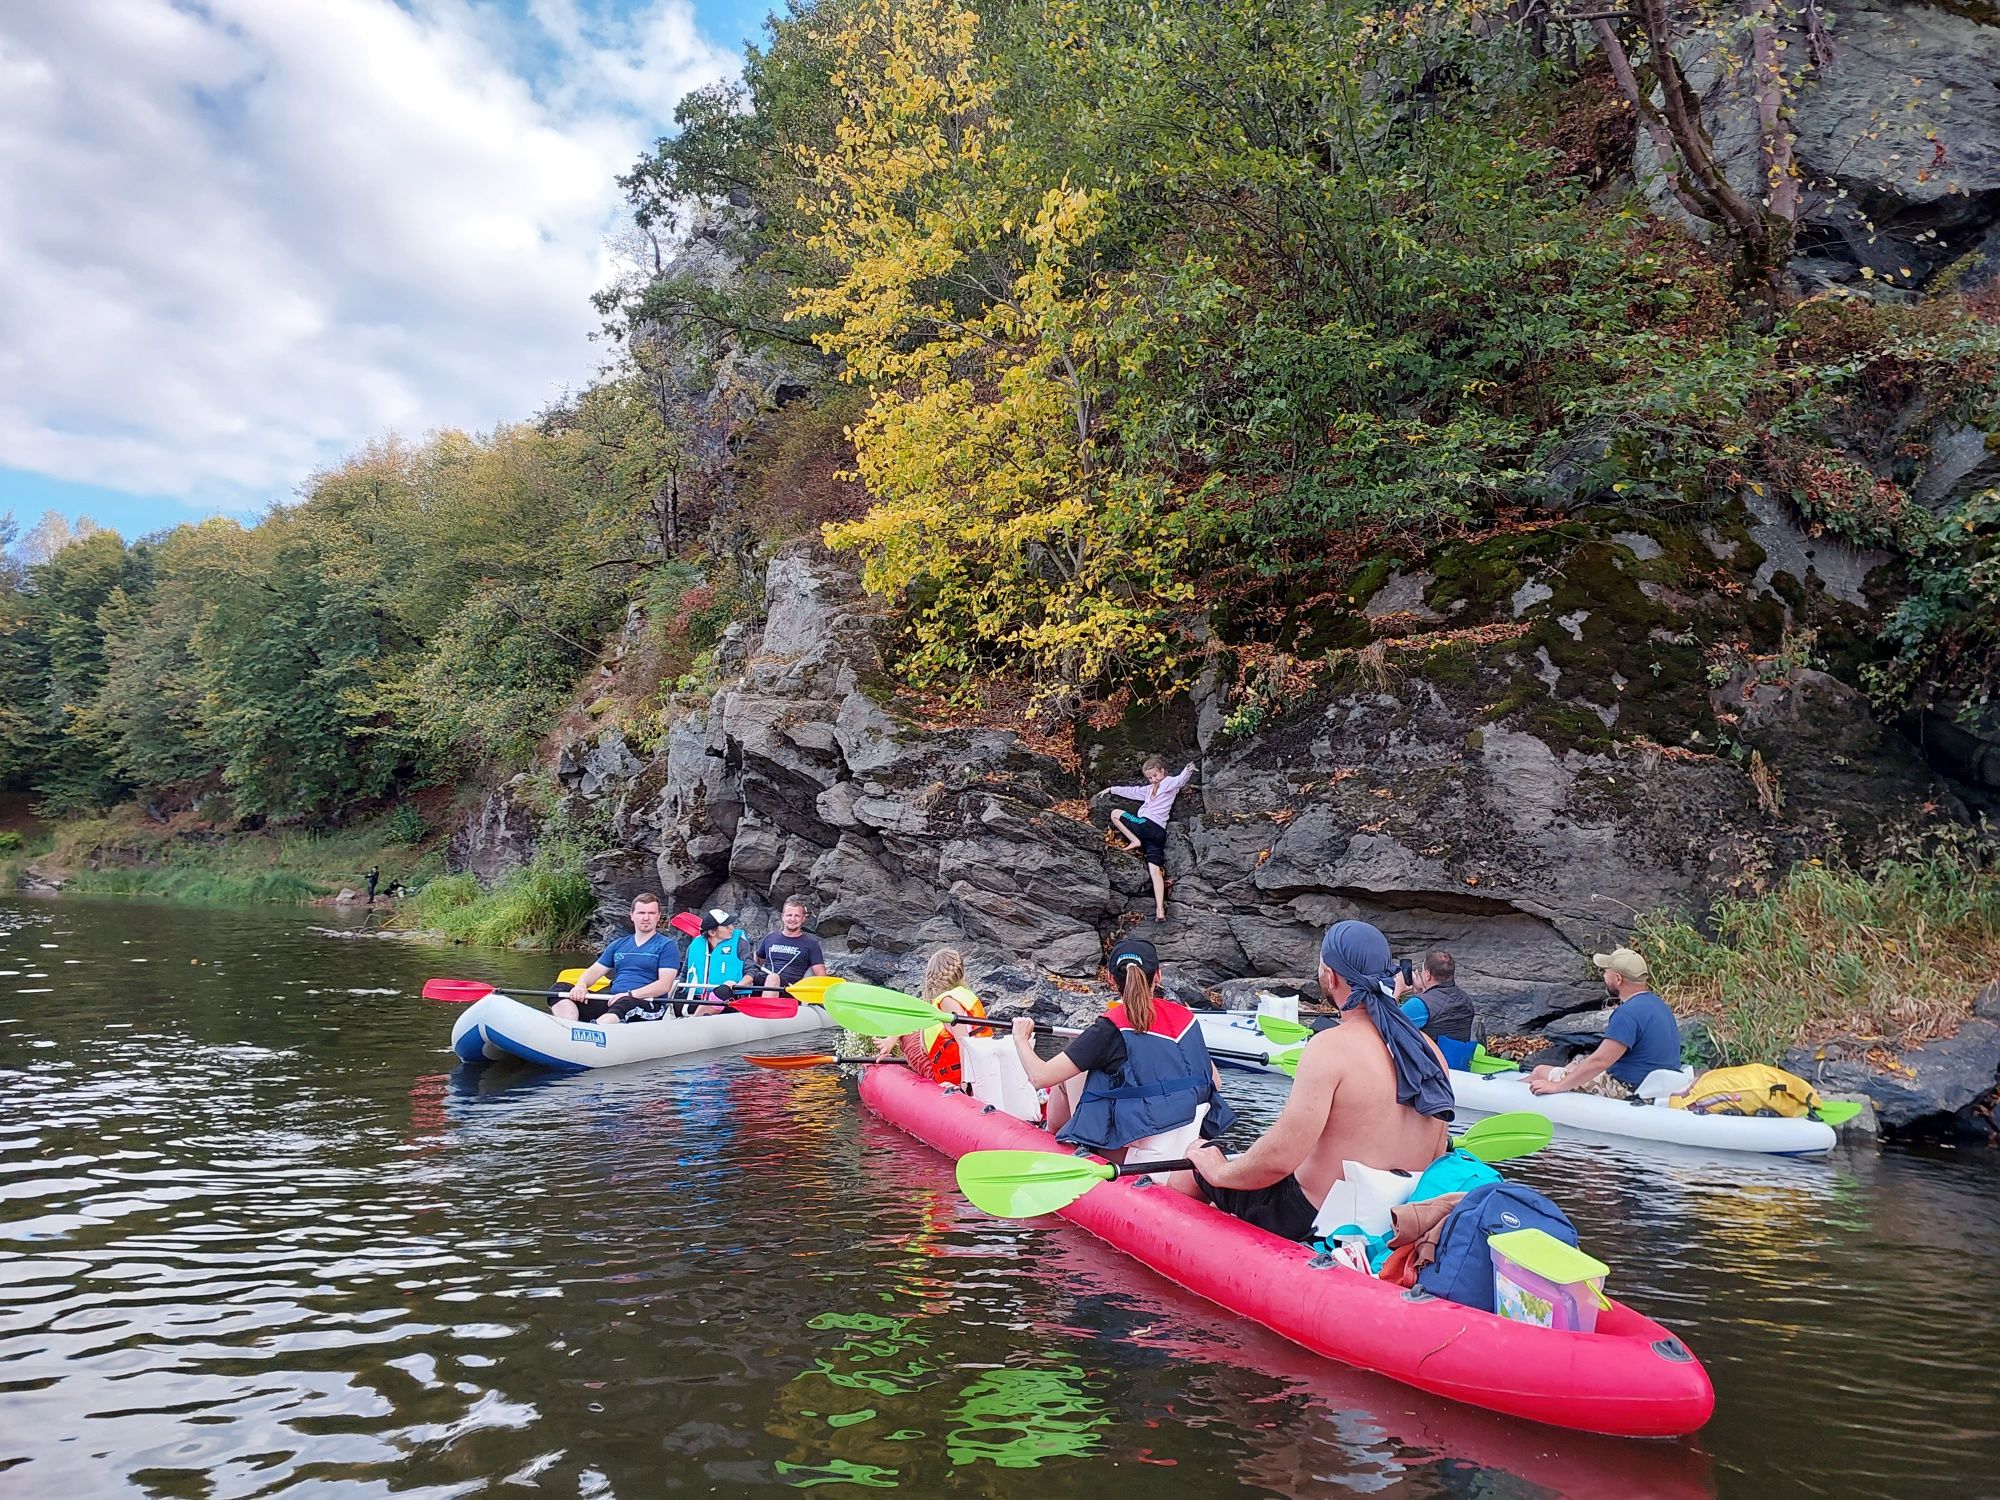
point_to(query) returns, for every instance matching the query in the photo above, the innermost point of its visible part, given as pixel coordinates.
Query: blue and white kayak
(496, 1027)
(1236, 1033)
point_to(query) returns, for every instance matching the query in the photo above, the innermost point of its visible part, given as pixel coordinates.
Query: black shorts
(599, 1003)
(1282, 1208)
(1152, 837)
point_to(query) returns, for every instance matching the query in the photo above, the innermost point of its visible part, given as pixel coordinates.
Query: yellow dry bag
(1754, 1089)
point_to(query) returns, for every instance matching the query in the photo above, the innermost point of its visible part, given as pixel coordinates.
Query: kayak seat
(1168, 1145)
(994, 1075)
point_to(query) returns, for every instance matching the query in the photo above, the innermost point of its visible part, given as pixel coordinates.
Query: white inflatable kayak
(1498, 1093)
(497, 1027)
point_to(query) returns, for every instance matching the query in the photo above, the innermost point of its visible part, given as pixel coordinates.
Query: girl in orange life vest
(1143, 1064)
(934, 1053)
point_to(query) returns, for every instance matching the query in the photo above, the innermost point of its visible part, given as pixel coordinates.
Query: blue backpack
(1463, 1270)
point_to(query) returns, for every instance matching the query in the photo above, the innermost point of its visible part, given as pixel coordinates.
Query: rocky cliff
(1504, 770)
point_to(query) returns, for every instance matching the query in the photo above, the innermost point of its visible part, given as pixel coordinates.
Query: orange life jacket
(940, 1059)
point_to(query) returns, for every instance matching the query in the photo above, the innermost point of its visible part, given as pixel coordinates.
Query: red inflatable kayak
(1631, 1378)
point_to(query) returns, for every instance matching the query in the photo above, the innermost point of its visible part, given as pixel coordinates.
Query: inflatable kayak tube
(497, 1027)
(1497, 1093)
(1631, 1378)
(1235, 1032)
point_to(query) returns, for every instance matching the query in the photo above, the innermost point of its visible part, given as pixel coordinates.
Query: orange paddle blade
(789, 1059)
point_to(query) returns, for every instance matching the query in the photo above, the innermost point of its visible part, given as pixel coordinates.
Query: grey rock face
(1898, 141)
(499, 837)
(1394, 806)
(1944, 1078)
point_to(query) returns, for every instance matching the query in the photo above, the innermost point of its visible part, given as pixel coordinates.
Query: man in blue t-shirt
(791, 953)
(644, 966)
(1640, 1038)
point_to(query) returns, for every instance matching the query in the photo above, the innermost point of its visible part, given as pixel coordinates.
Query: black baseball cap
(1131, 951)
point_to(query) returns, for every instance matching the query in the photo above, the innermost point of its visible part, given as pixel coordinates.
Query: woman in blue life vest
(714, 960)
(1143, 1065)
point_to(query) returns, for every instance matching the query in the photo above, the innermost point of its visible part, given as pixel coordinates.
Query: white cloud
(239, 237)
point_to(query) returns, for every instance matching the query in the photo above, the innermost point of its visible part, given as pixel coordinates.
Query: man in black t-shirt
(791, 953)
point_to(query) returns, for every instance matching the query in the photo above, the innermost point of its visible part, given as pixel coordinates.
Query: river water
(260, 1235)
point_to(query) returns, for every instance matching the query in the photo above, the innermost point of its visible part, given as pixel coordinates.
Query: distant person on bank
(1431, 997)
(644, 966)
(791, 953)
(1146, 829)
(1641, 1037)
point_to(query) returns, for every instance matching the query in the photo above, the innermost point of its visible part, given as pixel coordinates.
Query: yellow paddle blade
(571, 976)
(812, 989)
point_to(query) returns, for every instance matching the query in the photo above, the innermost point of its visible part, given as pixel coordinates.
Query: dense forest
(1125, 332)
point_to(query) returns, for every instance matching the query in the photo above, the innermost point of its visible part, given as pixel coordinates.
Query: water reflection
(259, 1236)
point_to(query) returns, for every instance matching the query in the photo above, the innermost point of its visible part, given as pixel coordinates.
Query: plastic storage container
(1538, 1279)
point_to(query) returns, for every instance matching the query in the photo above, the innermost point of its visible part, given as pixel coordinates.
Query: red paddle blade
(789, 1059)
(456, 991)
(766, 1007)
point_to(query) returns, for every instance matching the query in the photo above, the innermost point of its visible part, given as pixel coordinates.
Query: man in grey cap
(1641, 1037)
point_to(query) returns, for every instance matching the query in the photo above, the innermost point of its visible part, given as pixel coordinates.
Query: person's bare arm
(1043, 1073)
(1280, 1150)
(664, 985)
(1577, 1074)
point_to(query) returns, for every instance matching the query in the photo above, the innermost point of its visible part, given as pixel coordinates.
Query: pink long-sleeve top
(1156, 804)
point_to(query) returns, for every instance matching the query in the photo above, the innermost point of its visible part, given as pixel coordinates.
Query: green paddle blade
(1281, 1032)
(1500, 1138)
(1837, 1112)
(1287, 1062)
(1028, 1184)
(1485, 1062)
(874, 1011)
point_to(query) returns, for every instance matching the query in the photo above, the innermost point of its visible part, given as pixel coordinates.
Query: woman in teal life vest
(1143, 1065)
(714, 959)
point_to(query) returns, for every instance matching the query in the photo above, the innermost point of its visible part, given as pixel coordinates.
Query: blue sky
(242, 237)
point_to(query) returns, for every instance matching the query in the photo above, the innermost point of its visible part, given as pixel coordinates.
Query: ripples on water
(256, 1239)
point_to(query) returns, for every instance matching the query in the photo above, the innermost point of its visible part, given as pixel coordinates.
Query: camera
(1409, 973)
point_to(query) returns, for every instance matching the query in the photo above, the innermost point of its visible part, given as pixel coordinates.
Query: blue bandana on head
(1360, 954)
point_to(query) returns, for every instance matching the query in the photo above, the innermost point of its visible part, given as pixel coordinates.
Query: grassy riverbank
(1892, 956)
(546, 906)
(125, 853)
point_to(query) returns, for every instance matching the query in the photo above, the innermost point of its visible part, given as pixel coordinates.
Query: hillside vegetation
(1128, 334)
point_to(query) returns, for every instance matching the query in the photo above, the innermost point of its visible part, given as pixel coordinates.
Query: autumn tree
(968, 297)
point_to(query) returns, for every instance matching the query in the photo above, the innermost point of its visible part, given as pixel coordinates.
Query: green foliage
(1892, 954)
(10, 841)
(546, 906)
(404, 825)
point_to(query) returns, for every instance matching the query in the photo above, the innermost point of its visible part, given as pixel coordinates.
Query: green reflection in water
(1016, 1419)
(837, 1471)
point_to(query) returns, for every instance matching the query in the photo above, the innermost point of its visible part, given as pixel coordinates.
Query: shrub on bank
(1892, 955)
(543, 906)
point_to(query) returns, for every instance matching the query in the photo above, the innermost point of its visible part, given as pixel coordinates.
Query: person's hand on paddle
(1024, 1030)
(1210, 1162)
(577, 993)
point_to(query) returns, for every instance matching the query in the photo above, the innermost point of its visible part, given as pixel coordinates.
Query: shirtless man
(1348, 1102)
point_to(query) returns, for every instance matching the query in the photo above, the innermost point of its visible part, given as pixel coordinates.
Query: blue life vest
(706, 968)
(1167, 1075)
(1463, 1270)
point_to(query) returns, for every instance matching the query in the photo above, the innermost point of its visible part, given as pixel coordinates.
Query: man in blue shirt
(644, 967)
(1640, 1038)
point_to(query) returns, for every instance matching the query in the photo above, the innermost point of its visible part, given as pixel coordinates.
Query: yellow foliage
(966, 297)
